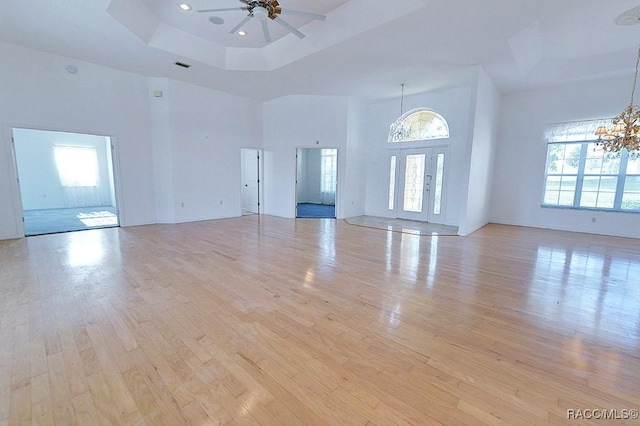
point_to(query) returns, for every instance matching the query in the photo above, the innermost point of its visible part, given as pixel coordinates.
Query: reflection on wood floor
(263, 320)
(402, 225)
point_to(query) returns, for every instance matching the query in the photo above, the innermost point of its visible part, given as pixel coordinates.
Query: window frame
(404, 117)
(328, 170)
(621, 176)
(77, 166)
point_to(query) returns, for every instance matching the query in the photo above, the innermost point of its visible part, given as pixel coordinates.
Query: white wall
(454, 105)
(352, 182)
(10, 207)
(293, 122)
(40, 185)
(484, 120)
(301, 176)
(309, 175)
(38, 93)
(198, 137)
(160, 100)
(521, 155)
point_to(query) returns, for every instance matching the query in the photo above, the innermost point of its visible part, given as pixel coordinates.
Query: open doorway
(316, 182)
(250, 180)
(66, 181)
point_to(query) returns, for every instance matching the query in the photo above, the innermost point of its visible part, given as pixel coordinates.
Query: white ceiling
(365, 48)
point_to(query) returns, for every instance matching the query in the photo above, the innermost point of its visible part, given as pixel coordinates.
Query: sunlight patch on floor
(102, 218)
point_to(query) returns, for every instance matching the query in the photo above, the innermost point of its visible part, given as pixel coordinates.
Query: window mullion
(583, 159)
(622, 178)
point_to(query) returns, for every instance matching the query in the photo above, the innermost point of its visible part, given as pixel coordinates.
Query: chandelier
(625, 130)
(399, 130)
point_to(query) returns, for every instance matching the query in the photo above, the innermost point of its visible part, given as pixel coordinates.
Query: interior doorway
(316, 182)
(250, 181)
(66, 181)
(416, 184)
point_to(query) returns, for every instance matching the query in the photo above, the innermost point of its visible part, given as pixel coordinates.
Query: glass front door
(416, 182)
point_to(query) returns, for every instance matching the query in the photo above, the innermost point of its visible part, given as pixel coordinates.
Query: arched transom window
(419, 125)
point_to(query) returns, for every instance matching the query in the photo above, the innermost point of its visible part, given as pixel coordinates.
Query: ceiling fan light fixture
(242, 33)
(185, 6)
(263, 11)
(260, 13)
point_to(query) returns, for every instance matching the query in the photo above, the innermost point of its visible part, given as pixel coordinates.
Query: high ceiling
(364, 48)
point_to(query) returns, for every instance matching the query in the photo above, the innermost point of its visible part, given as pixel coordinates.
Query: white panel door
(250, 181)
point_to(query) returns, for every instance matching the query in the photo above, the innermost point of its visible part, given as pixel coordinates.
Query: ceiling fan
(263, 9)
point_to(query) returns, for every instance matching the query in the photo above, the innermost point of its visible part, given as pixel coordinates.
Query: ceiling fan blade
(289, 27)
(305, 14)
(265, 31)
(237, 27)
(221, 10)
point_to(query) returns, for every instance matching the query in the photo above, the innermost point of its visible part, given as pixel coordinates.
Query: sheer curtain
(575, 131)
(79, 178)
(328, 169)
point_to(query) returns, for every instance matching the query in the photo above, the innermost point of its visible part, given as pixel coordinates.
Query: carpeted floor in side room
(308, 210)
(51, 221)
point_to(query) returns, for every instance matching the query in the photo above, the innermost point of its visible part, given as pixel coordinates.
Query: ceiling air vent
(182, 64)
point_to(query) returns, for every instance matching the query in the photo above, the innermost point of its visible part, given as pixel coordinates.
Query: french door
(416, 184)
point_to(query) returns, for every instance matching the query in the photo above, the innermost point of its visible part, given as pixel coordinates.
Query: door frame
(430, 170)
(15, 185)
(295, 191)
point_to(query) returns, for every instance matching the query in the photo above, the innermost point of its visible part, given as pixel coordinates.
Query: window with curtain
(79, 175)
(328, 170)
(77, 166)
(580, 174)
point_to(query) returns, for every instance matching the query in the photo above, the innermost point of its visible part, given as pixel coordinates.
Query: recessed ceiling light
(242, 33)
(184, 6)
(216, 20)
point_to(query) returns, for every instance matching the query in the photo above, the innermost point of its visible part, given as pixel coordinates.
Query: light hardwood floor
(263, 320)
